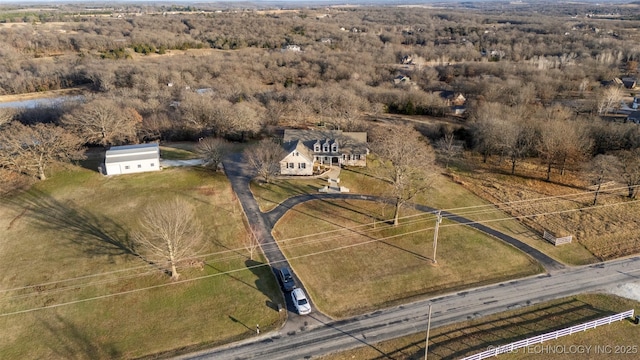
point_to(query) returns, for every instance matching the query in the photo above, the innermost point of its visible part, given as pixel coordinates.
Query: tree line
(528, 79)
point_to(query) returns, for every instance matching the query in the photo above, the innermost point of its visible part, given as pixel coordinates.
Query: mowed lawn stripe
(78, 224)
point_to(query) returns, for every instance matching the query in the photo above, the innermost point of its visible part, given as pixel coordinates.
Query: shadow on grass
(266, 283)
(94, 234)
(345, 205)
(69, 341)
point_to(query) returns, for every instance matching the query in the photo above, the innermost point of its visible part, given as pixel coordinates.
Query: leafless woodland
(538, 83)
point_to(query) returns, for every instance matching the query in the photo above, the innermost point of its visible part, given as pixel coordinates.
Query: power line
(282, 242)
(296, 257)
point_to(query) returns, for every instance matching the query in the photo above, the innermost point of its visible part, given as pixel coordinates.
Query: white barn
(130, 159)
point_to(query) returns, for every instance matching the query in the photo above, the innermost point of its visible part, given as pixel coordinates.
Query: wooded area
(532, 83)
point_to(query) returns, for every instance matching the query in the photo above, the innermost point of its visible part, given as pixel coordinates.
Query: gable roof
(298, 146)
(116, 154)
(348, 142)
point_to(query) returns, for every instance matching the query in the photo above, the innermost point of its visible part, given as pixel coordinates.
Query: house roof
(348, 142)
(301, 148)
(132, 153)
(634, 116)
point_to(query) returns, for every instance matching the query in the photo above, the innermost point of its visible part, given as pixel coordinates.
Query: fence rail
(556, 241)
(549, 336)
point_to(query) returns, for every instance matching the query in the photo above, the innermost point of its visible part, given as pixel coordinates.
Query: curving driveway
(240, 176)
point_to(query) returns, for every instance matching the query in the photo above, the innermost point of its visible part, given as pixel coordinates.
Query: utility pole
(435, 236)
(426, 342)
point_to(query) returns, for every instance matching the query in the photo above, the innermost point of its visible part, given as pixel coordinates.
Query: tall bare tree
(213, 150)
(252, 241)
(448, 147)
(31, 149)
(605, 168)
(103, 122)
(609, 99)
(407, 162)
(168, 234)
(630, 170)
(264, 158)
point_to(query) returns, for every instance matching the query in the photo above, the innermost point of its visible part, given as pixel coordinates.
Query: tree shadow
(73, 342)
(266, 283)
(94, 234)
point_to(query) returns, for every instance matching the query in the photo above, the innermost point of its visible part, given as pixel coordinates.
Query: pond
(42, 102)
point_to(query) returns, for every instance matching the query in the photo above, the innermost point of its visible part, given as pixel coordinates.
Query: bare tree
(609, 99)
(487, 129)
(213, 150)
(252, 241)
(6, 115)
(605, 168)
(31, 149)
(630, 170)
(264, 158)
(103, 122)
(407, 162)
(168, 234)
(448, 147)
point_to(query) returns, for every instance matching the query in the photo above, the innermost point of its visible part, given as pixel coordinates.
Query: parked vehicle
(286, 279)
(300, 301)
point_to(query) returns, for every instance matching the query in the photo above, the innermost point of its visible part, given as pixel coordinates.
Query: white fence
(556, 241)
(549, 336)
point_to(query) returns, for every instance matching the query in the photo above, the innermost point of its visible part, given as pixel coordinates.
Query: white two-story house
(307, 149)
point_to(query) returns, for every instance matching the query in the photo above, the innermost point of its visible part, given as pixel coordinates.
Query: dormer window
(316, 147)
(325, 147)
(334, 147)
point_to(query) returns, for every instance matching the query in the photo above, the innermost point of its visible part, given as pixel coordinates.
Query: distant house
(453, 98)
(634, 117)
(629, 83)
(401, 79)
(292, 48)
(307, 149)
(130, 159)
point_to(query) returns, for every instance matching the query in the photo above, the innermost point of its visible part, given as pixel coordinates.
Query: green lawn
(71, 287)
(351, 265)
(470, 337)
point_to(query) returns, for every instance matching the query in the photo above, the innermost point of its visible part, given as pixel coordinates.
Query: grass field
(470, 337)
(71, 287)
(563, 206)
(349, 265)
(447, 193)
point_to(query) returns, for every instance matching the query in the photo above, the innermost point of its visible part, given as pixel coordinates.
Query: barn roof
(132, 153)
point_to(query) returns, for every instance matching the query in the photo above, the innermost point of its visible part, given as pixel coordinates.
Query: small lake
(43, 102)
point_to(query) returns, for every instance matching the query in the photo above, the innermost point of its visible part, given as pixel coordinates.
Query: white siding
(295, 164)
(132, 159)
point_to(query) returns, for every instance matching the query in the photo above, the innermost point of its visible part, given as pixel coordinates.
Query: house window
(139, 166)
(289, 165)
(126, 167)
(344, 157)
(316, 147)
(153, 164)
(295, 153)
(356, 156)
(334, 147)
(302, 166)
(349, 157)
(326, 158)
(325, 148)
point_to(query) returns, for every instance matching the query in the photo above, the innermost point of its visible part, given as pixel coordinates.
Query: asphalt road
(304, 337)
(366, 330)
